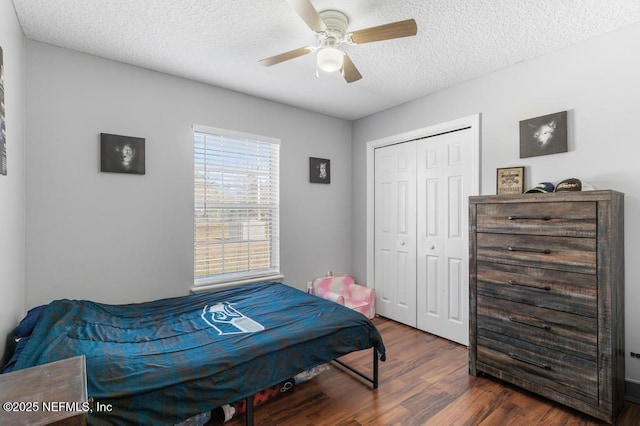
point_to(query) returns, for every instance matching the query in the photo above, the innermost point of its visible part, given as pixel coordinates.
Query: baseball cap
(571, 184)
(541, 187)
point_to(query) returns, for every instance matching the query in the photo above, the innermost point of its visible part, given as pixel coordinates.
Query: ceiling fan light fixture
(330, 59)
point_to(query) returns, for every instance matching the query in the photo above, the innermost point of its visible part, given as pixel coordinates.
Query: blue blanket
(166, 360)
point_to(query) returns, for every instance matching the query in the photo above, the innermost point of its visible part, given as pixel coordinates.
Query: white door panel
(443, 184)
(395, 232)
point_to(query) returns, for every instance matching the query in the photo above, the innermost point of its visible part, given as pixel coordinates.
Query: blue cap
(541, 187)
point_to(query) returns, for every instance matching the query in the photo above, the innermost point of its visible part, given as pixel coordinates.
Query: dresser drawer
(561, 253)
(564, 291)
(555, 330)
(567, 219)
(570, 375)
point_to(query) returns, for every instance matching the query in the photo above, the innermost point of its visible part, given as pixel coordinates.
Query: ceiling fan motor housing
(336, 23)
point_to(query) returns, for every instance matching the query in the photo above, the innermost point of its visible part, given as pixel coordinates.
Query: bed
(164, 361)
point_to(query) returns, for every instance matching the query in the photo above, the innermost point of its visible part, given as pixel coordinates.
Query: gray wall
(596, 81)
(12, 186)
(121, 238)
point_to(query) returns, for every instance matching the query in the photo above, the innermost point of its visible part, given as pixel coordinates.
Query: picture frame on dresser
(510, 180)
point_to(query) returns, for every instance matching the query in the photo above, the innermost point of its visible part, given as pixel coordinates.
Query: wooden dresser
(547, 295)
(54, 393)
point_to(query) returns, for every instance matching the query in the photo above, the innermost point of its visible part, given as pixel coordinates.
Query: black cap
(571, 184)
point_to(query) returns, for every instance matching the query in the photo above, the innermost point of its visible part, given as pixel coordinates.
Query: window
(236, 206)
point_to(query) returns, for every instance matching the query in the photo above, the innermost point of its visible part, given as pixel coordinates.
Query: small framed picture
(121, 154)
(510, 180)
(319, 170)
(543, 135)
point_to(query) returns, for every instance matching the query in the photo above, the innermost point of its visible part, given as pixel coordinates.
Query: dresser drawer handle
(513, 282)
(529, 250)
(530, 324)
(528, 361)
(529, 217)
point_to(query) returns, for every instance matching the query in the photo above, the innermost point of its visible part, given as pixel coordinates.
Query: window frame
(222, 280)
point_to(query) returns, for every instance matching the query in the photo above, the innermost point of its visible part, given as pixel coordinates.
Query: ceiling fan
(330, 27)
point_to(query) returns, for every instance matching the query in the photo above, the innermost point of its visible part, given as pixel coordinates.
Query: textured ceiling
(219, 42)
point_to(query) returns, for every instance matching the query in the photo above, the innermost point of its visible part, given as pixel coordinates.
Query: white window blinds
(236, 206)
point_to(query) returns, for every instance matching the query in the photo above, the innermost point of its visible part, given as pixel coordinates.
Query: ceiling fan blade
(267, 62)
(309, 14)
(349, 70)
(385, 32)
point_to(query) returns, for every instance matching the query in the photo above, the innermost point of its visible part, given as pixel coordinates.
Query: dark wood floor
(424, 381)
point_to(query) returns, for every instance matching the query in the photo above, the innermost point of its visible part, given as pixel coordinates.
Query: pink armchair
(343, 290)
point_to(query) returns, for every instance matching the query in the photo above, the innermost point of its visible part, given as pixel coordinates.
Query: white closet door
(443, 188)
(395, 232)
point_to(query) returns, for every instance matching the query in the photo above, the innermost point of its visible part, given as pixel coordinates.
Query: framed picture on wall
(121, 154)
(510, 180)
(3, 129)
(543, 135)
(319, 170)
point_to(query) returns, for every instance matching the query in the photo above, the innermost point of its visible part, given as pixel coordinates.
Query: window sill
(231, 284)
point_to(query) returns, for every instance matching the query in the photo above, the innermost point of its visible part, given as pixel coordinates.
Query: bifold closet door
(395, 232)
(443, 189)
(421, 233)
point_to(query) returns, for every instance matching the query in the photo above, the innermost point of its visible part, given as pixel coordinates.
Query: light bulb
(330, 59)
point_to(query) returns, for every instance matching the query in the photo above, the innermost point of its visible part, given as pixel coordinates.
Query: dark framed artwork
(319, 170)
(121, 154)
(510, 180)
(543, 135)
(3, 126)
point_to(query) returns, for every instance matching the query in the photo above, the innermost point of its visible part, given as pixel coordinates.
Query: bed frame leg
(373, 380)
(375, 369)
(249, 410)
